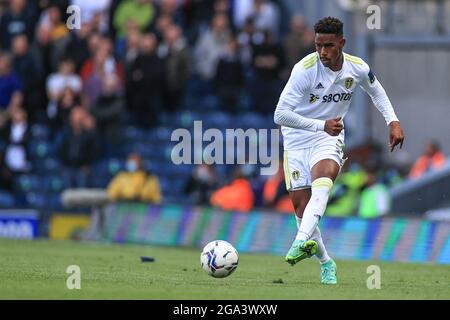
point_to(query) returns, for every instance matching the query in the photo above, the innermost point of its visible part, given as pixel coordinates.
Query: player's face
(329, 47)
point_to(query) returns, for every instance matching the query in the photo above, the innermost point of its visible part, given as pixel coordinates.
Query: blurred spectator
(20, 18)
(27, 68)
(229, 78)
(10, 88)
(135, 183)
(177, 58)
(264, 13)
(57, 82)
(78, 148)
(431, 159)
(132, 48)
(248, 38)
(257, 181)
(198, 18)
(344, 196)
(275, 194)
(53, 32)
(16, 134)
(6, 176)
(238, 195)
(97, 68)
(266, 16)
(140, 13)
(67, 101)
(145, 82)
(242, 10)
(224, 7)
(52, 21)
(112, 30)
(268, 62)
(82, 44)
(212, 45)
(297, 43)
(107, 110)
(374, 198)
(201, 184)
(171, 8)
(95, 12)
(163, 22)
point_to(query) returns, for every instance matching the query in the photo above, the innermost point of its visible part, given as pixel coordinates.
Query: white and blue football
(219, 259)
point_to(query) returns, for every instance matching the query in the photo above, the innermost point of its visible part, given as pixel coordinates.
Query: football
(219, 259)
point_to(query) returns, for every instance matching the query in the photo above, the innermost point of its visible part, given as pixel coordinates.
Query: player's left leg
(323, 174)
(300, 199)
(300, 249)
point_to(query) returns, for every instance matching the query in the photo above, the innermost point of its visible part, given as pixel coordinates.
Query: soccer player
(310, 112)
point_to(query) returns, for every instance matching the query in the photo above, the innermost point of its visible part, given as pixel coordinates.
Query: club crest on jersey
(295, 175)
(348, 82)
(313, 98)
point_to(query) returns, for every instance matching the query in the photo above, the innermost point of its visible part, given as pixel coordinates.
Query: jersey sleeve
(293, 92)
(375, 90)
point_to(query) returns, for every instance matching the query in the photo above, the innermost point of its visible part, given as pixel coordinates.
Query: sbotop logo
(233, 142)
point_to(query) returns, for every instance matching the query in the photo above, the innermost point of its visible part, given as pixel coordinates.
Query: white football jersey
(316, 92)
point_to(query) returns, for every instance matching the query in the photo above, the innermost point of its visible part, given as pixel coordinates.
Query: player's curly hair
(329, 25)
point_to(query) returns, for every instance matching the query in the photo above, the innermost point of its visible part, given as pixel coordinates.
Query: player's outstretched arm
(375, 90)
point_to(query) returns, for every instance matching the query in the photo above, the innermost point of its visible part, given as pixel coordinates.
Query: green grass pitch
(37, 270)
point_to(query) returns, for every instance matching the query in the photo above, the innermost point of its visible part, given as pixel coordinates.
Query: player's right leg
(310, 203)
(299, 200)
(300, 249)
(297, 176)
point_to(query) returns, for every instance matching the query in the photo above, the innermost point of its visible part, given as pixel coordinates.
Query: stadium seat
(36, 200)
(40, 131)
(208, 103)
(40, 149)
(251, 120)
(164, 134)
(54, 201)
(132, 133)
(166, 187)
(51, 183)
(186, 118)
(26, 183)
(6, 199)
(217, 119)
(46, 165)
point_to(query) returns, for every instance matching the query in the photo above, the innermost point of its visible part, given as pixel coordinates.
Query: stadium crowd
(67, 95)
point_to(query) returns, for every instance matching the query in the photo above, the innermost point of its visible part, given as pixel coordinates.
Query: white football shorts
(298, 163)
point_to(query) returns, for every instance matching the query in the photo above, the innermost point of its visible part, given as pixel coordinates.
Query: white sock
(320, 190)
(321, 253)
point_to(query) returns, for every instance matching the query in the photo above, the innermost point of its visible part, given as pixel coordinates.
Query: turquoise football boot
(301, 250)
(328, 272)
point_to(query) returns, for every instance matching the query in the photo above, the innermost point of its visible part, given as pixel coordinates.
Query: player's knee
(323, 184)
